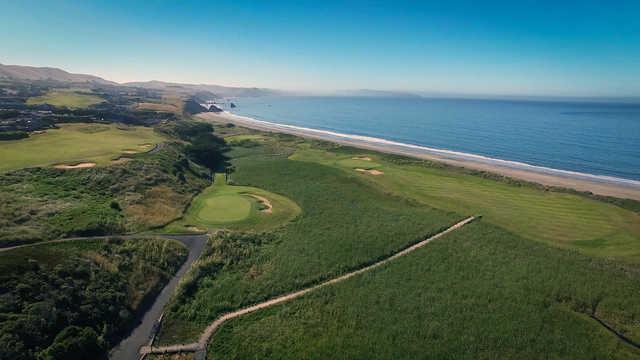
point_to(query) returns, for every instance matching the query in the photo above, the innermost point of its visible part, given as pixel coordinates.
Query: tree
(73, 343)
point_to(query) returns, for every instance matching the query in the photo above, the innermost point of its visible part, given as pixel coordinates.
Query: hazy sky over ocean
(480, 47)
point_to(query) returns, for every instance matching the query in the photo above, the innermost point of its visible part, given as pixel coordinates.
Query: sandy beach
(601, 185)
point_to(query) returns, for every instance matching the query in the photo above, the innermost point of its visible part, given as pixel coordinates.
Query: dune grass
(75, 143)
(477, 293)
(69, 98)
(561, 219)
(235, 207)
(344, 224)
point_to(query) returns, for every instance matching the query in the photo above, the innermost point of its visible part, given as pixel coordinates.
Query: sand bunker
(195, 229)
(264, 201)
(83, 165)
(365, 158)
(370, 171)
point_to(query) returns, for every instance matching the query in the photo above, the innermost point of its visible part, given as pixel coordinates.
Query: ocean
(588, 137)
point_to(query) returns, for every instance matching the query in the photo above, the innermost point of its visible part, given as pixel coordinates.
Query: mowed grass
(561, 219)
(74, 143)
(344, 224)
(69, 98)
(235, 207)
(225, 208)
(477, 293)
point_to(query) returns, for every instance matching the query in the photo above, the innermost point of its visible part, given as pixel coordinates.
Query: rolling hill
(31, 73)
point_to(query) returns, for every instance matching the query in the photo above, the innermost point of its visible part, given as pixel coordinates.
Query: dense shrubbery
(205, 148)
(13, 135)
(73, 301)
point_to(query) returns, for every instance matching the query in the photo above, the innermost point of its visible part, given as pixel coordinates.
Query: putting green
(225, 208)
(235, 207)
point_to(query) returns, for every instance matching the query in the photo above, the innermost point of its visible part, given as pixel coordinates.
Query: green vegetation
(204, 147)
(478, 293)
(72, 300)
(147, 191)
(74, 143)
(13, 135)
(69, 98)
(236, 207)
(344, 224)
(556, 218)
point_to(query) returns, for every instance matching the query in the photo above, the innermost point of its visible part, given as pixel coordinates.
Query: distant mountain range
(31, 73)
(221, 91)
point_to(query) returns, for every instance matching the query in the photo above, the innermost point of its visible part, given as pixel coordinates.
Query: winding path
(200, 347)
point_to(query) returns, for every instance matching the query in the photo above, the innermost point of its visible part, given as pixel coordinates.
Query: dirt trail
(200, 346)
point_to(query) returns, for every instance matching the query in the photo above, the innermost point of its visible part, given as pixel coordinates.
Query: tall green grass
(478, 293)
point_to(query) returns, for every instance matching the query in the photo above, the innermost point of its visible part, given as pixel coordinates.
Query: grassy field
(560, 219)
(235, 207)
(93, 286)
(69, 98)
(479, 293)
(344, 224)
(75, 143)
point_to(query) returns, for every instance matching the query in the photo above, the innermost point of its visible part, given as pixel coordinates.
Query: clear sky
(580, 48)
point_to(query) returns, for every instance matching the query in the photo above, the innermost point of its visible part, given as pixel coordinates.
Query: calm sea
(587, 137)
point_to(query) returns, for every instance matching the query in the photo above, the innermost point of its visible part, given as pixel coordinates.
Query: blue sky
(568, 48)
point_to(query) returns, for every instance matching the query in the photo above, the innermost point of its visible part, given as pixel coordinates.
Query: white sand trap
(264, 201)
(82, 165)
(370, 172)
(365, 158)
(130, 151)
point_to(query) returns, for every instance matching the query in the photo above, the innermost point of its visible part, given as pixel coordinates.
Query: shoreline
(597, 184)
